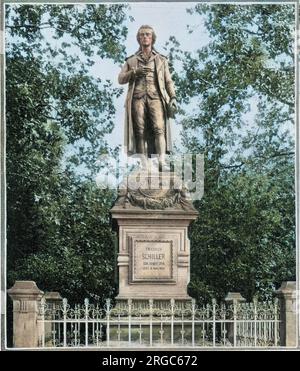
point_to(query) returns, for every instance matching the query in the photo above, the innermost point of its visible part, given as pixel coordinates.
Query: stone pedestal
(153, 213)
(27, 331)
(288, 313)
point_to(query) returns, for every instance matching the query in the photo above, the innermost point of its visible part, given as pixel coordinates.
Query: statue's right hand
(142, 71)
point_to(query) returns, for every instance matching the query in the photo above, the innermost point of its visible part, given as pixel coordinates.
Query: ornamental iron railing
(132, 324)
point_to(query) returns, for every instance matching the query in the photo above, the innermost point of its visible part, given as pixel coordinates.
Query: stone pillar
(288, 321)
(26, 296)
(233, 298)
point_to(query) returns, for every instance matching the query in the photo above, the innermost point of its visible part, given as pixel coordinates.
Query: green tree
(244, 238)
(77, 251)
(57, 117)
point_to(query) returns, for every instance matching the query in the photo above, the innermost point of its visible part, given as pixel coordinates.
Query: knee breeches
(148, 110)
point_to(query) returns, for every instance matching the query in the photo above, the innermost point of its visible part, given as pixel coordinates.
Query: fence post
(150, 321)
(53, 299)
(214, 321)
(288, 324)
(107, 311)
(26, 297)
(233, 298)
(86, 317)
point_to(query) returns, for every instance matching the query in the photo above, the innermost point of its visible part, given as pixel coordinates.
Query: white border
(3, 242)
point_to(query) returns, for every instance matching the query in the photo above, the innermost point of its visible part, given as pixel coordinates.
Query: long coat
(167, 91)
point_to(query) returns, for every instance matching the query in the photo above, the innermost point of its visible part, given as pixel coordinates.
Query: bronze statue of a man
(151, 98)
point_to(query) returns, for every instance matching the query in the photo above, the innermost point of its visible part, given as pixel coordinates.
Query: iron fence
(132, 324)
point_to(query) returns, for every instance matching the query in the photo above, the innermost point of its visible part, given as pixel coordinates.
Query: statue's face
(145, 37)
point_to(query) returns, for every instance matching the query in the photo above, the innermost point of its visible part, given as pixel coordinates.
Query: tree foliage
(57, 117)
(241, 85)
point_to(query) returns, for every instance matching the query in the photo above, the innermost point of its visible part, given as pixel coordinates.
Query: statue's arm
(126, 74)
(169, 82)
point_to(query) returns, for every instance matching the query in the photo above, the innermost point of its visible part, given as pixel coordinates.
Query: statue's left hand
(172, 107)
(173, 104)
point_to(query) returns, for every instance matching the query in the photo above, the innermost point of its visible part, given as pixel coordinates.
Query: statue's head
(145, 35)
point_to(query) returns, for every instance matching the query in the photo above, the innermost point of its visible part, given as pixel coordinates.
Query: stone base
(154, 249)
(153, 191)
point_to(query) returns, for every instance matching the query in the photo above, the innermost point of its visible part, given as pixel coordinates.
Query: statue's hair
(150, 28)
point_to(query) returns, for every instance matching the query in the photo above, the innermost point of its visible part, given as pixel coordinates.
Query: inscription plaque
(152, 260)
